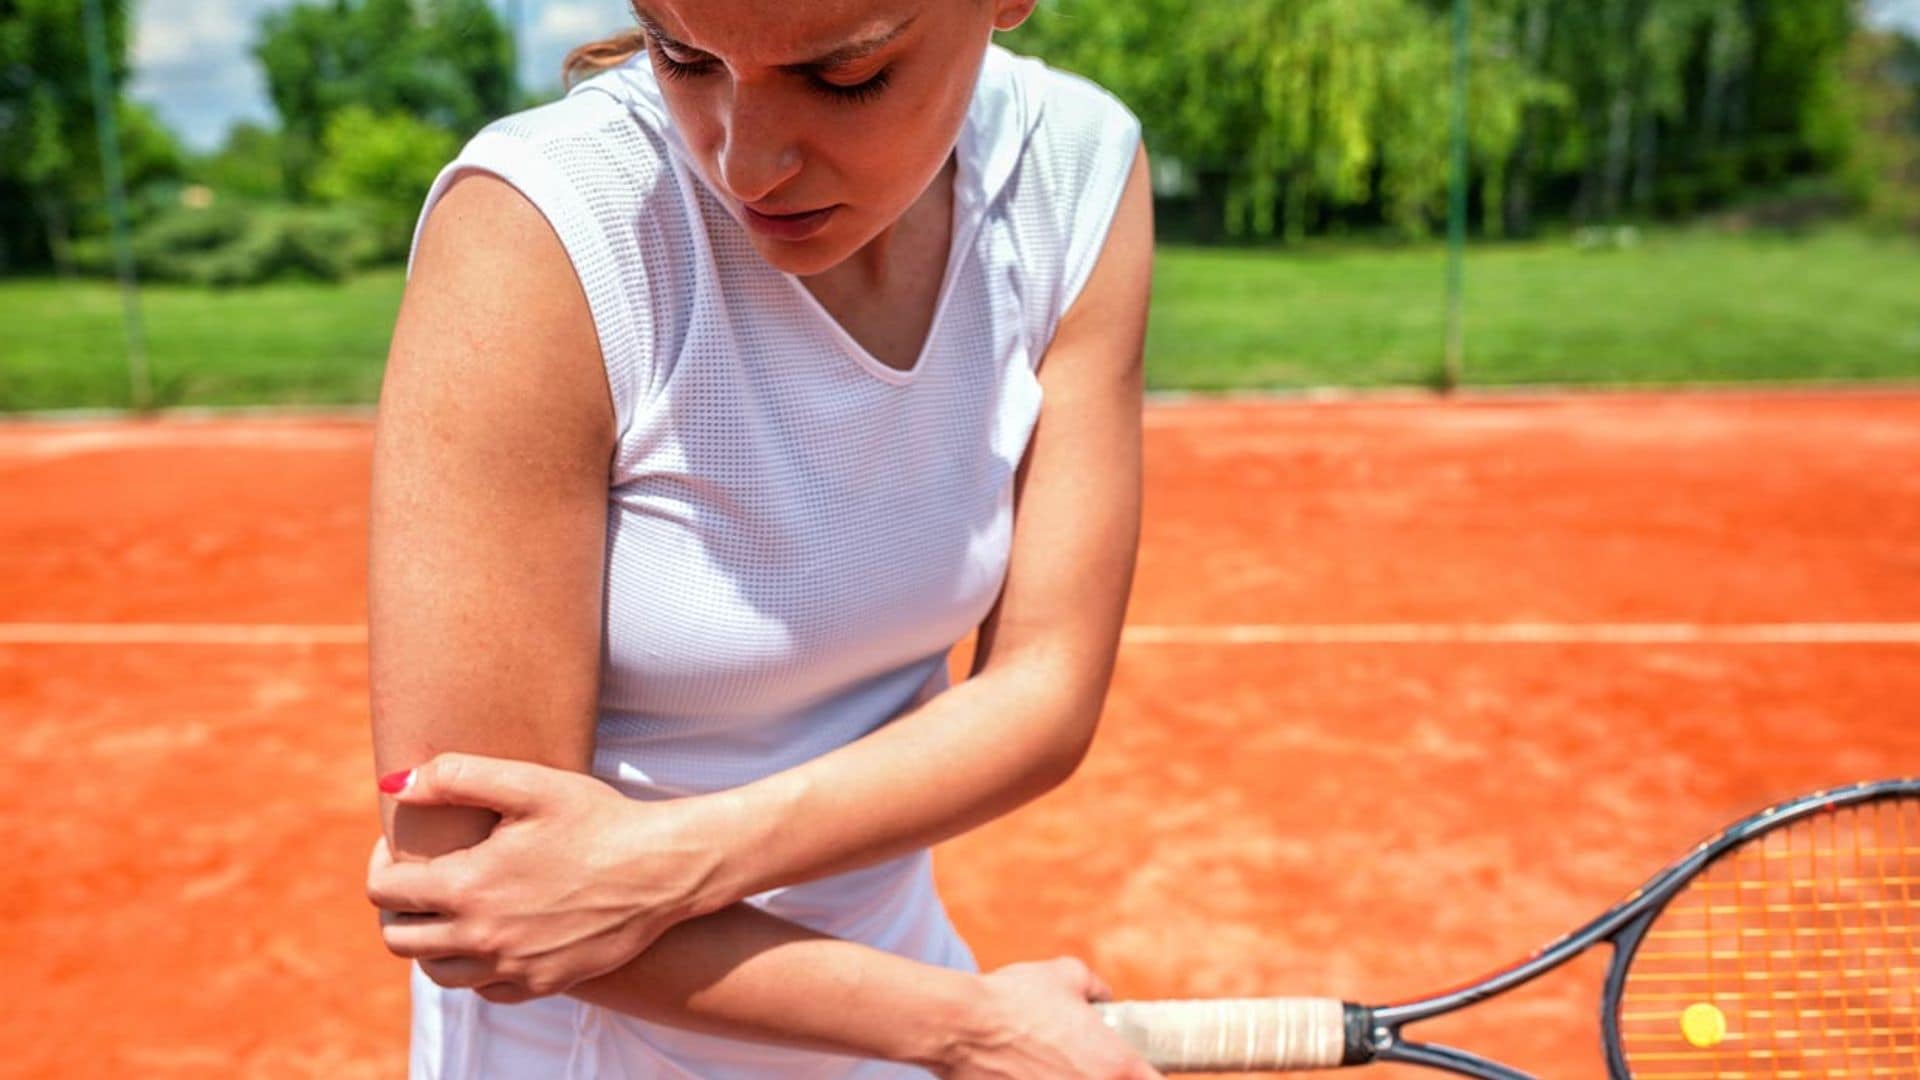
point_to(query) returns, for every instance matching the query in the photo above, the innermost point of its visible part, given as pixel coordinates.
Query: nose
(758, 151)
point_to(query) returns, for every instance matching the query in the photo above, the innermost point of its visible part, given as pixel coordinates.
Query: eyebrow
(847, 53)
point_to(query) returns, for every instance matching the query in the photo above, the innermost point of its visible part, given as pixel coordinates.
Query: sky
(193, 61)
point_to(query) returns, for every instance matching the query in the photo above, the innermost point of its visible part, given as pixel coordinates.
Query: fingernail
(396, 782)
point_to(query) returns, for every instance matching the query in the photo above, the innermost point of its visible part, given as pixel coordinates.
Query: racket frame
(1373, 1032)
(1623, 926)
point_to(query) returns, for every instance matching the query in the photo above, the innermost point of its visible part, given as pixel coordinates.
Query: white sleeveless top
(797, 534)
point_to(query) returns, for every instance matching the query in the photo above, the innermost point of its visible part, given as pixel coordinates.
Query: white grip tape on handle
(1231, 1035)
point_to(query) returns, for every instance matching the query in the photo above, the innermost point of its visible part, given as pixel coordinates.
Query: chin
(802, 258)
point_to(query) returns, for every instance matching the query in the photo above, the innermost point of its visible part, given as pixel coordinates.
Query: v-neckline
(965, 217)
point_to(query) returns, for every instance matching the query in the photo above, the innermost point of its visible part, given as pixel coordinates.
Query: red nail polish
(394, 782)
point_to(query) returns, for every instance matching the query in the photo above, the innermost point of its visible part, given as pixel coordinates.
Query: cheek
(696, 116)
(900, 144)
(699, 126)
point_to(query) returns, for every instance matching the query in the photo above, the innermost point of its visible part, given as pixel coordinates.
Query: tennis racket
(1786, 946)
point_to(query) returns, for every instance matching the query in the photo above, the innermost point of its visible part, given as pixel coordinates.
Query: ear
(1009, 14)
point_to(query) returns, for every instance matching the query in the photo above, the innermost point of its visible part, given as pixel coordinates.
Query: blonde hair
(586, 61)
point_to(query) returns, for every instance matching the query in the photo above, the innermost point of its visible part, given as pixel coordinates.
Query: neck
(929, 218)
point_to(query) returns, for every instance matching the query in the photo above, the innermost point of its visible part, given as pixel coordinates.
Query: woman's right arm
(486, 566)
(745, 974)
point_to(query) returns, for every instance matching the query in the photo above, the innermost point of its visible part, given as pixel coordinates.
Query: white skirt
(459, 1035)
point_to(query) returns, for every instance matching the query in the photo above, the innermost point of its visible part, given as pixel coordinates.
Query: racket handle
(1244, 1035)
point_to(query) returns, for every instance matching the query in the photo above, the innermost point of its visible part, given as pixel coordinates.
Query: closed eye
(697, 66)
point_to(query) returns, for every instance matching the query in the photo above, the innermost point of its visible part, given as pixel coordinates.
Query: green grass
(1685, 306)
(302, 344)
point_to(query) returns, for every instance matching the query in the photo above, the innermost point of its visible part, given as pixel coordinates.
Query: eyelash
(858, 93)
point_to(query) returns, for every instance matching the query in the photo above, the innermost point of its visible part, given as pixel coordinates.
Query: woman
(712, 421)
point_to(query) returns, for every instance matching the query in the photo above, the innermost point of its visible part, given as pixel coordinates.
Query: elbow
(1053, 710)
(1068, 750)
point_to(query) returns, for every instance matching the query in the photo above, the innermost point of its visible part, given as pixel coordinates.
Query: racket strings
(1794, 955)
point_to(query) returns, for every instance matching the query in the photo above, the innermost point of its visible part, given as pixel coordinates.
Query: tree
(1290, 114)
(382, 164)
(51, 188)
(1279, 109)
(448, 63)
(1882, 168)
(247, 166)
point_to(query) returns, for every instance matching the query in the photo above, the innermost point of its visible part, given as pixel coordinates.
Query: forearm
(745, 974)
(970, 755)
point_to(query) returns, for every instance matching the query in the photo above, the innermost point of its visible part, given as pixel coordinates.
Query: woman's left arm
(1045, 654)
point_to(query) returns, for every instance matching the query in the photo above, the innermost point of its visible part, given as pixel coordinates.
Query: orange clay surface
(188, 813)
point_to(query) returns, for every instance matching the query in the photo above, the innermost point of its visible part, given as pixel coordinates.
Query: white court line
(49, 443)
(1515, 633)
(28, 633)
(1527, 633)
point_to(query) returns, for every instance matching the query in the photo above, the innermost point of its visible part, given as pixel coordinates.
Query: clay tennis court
(1410, 687)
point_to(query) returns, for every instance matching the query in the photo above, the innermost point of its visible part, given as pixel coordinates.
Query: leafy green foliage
(248, 166)
(382, 164)
(51, 186)
(1881, 98)
(446, 63)
(1298, 116)
(373, 95)
(228, 245)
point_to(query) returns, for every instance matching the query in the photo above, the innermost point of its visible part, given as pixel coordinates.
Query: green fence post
(104, 102)
(1457, 209)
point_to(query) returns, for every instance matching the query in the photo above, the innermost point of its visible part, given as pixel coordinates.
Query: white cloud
(168, 34)
(567, 23)
(562, 25)
(193, 62)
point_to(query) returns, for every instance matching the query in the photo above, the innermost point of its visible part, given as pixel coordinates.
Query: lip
(788, 226)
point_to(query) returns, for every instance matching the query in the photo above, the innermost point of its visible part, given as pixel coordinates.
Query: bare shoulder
(494, 322)
(1112, 307)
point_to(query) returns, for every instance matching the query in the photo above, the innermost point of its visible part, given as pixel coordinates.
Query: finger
(511, 788)
(378, 861)
(460, 972)
(398, 918)
(501, 993)
(426, 885)
(380, 856)
(1082, 979)
(422, 937)
(404, 918)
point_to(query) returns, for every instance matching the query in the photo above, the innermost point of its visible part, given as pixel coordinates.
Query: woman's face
(819, 122)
